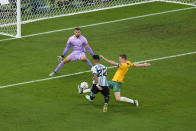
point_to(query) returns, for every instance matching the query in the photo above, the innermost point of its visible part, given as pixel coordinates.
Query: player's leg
(94, 91)
(106, 93)
(86, 90)
(118, 97)
(125, 99)
(81, 91)
(85, 59)
(66, 60)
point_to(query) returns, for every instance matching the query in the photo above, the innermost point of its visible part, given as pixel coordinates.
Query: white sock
(87, 90)
(125, 99)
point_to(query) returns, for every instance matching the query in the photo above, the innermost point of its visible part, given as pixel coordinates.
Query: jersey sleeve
(131, 64)
(85, 42)
(67, 47)
(69, 41)
(93, 70)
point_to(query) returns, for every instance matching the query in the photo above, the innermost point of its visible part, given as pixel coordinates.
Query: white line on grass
(101, 23)
(78, 73)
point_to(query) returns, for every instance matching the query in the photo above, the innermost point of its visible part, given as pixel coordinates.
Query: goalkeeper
(78, 43)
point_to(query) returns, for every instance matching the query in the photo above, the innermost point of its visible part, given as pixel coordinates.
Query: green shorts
(115, 86)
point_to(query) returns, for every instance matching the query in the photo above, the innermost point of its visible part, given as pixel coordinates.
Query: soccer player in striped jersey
(119, 76)
(78, 43)
(100, 83)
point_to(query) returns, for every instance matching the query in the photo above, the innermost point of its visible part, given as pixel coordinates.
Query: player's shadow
(113, 108)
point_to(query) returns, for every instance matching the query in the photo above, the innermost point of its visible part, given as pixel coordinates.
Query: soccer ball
(84, 85)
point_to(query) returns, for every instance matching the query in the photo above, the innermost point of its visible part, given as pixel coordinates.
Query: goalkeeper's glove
(60, 58)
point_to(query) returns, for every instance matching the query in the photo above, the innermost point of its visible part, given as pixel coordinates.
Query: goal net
(8, 17)
(13, 13)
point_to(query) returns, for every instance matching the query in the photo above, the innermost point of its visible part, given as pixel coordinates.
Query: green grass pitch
(166, 90)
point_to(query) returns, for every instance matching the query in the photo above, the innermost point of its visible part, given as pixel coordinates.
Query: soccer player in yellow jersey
(119, 76)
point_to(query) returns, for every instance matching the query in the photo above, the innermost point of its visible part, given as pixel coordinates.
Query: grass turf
(166, 90)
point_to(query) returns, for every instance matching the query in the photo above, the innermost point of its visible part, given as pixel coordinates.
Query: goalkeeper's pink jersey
(78, 44)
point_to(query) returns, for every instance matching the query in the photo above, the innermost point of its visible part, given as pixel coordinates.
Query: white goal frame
(20, 22)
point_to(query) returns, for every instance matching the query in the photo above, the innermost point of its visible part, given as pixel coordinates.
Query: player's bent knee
(84, 59)
(117, 99)
(66, 60)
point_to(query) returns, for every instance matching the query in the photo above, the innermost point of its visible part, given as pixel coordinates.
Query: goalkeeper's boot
(136, 103)
(88, 98)
(80, 90)
(51, 74)
(105, 107)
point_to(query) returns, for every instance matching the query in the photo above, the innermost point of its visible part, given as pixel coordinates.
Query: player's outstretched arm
(142, 65)
(89, 50)
(60, 58)
(66, 49)
(109, 61)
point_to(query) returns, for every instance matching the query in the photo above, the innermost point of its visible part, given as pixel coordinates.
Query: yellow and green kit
(119, 76)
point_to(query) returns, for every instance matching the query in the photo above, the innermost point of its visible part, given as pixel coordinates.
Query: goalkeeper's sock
(59, 66)
(89, 63)
(125, 99)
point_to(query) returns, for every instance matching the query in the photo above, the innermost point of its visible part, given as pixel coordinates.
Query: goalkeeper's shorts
(75, 56)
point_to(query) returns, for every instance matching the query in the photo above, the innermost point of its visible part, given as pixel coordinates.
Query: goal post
(18, 17)
(14, 13)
